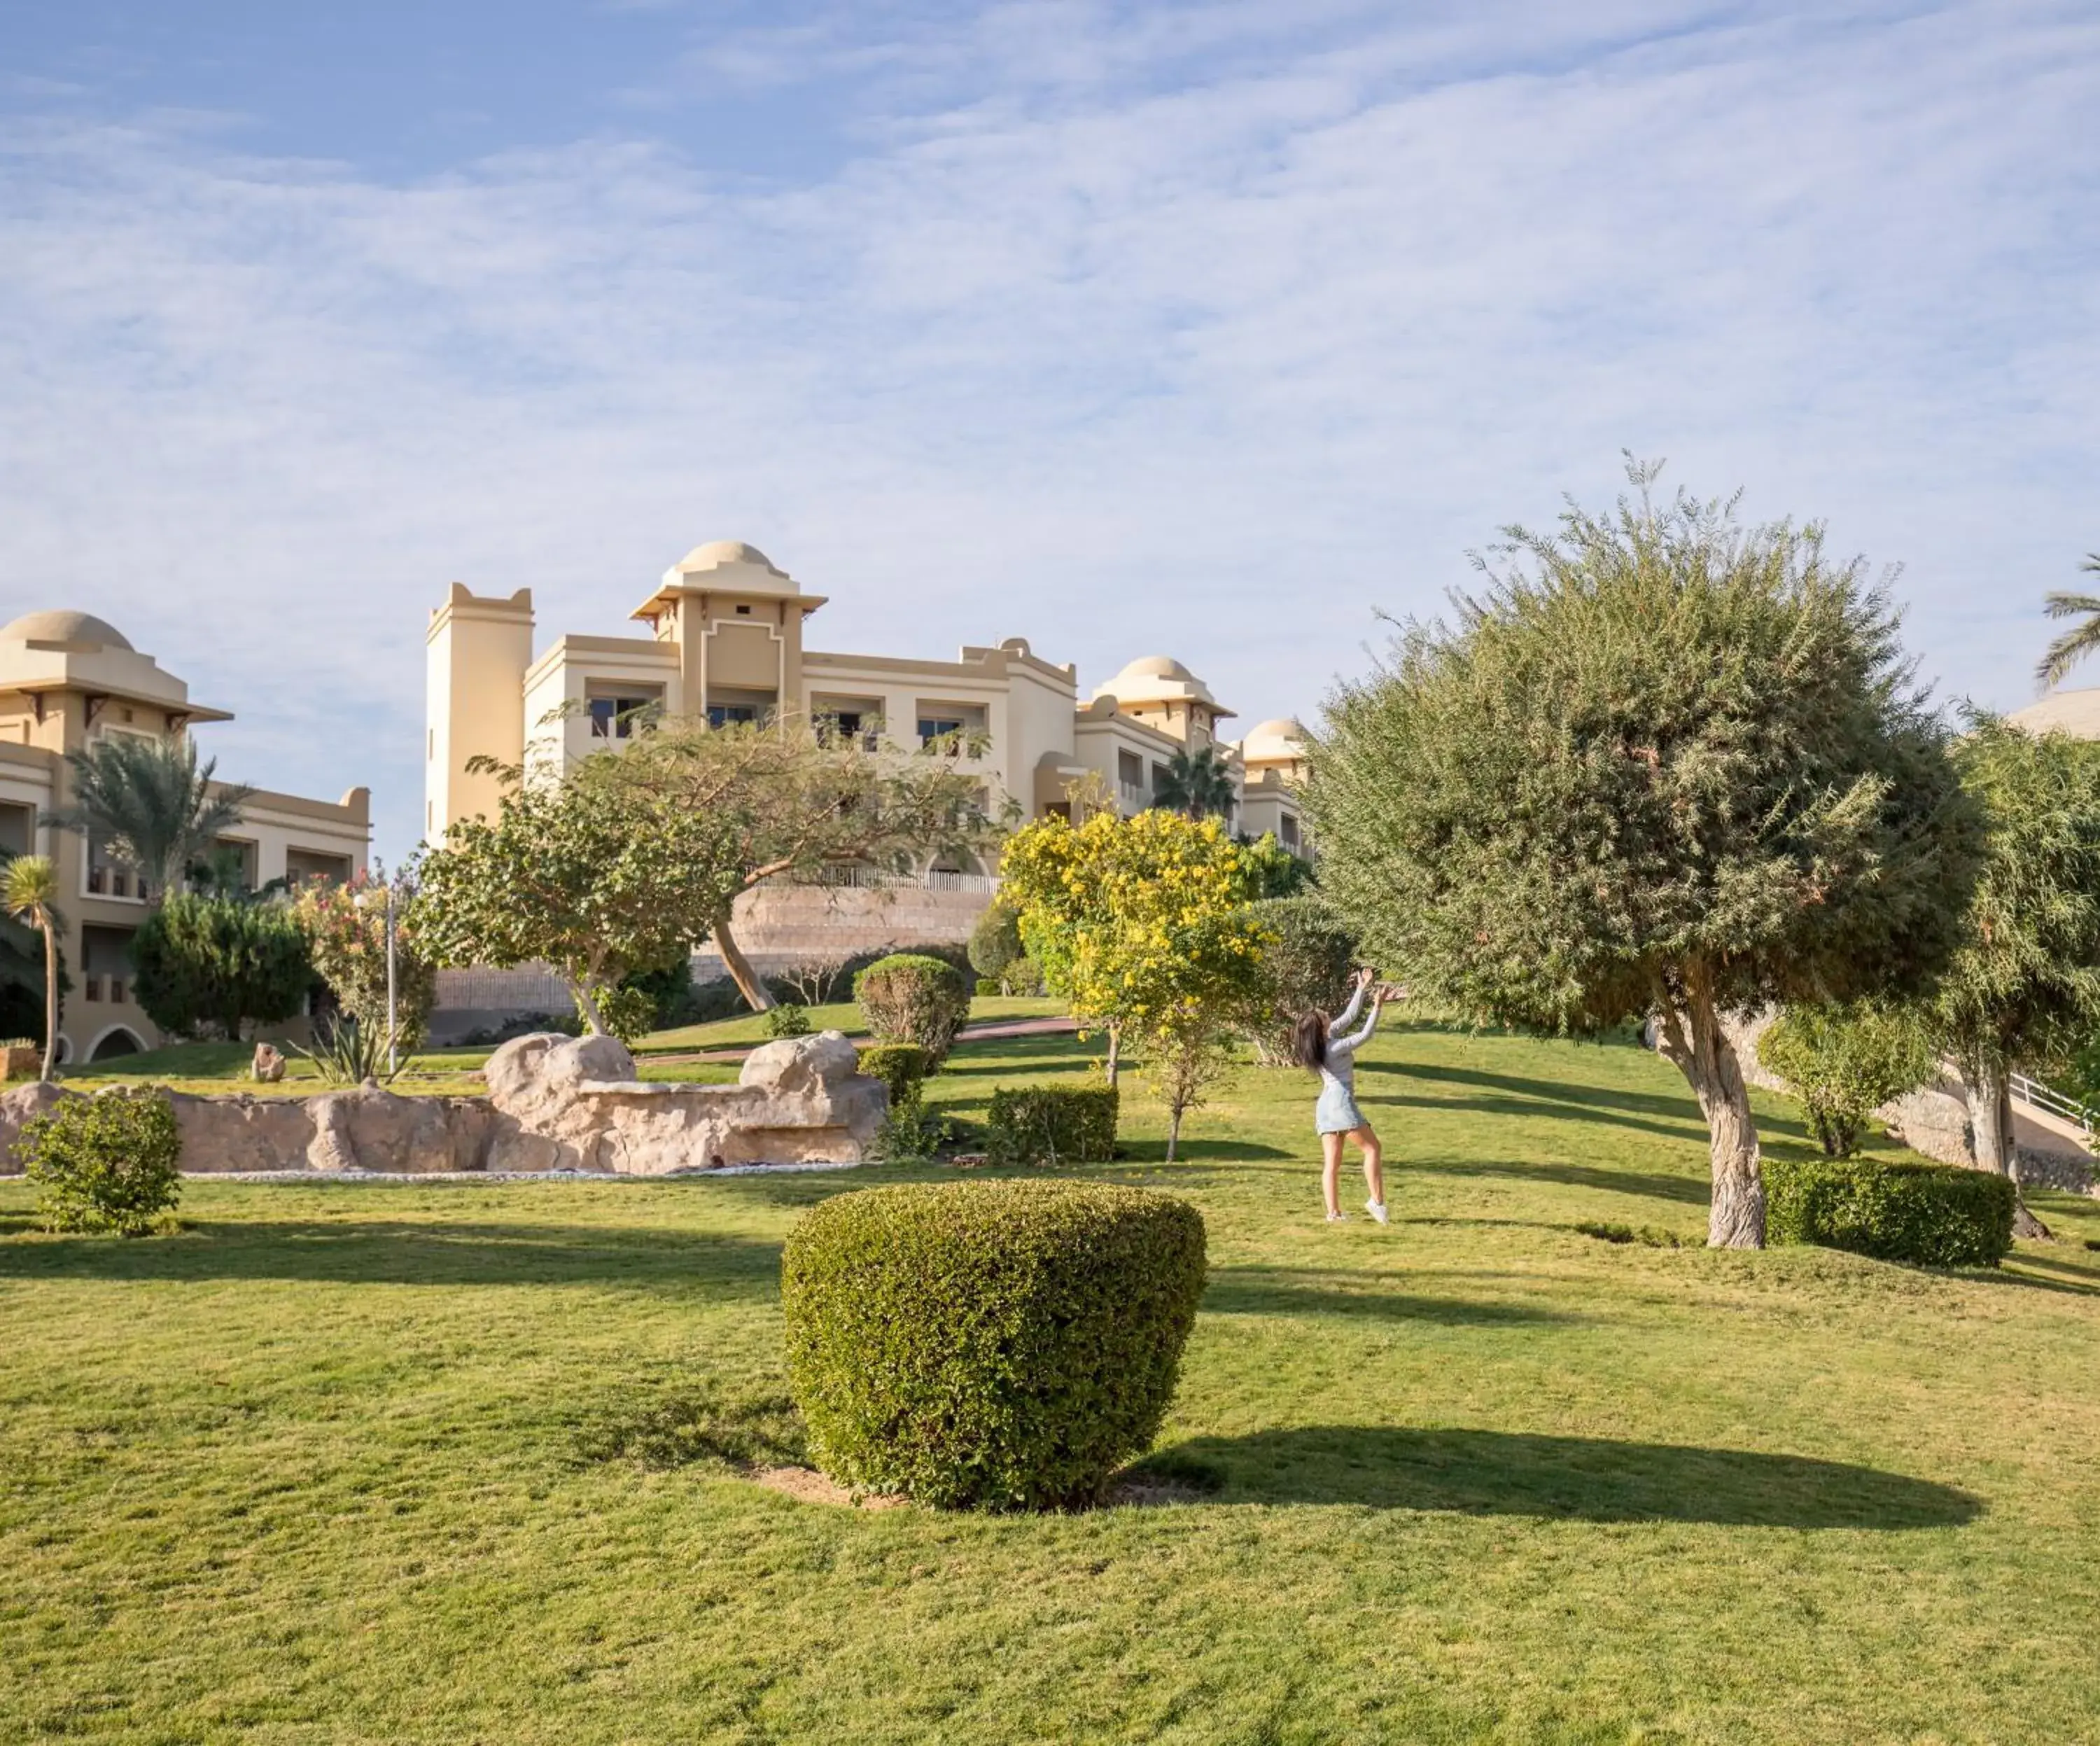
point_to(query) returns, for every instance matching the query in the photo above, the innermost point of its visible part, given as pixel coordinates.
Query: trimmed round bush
(909, 997)
(1000, 1345)
(902, 1068)
(106, 1163)
(1932, 1215)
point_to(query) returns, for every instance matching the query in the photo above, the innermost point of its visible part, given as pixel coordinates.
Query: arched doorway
(115, 1043)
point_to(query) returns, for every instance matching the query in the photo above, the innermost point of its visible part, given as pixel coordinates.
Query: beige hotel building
(725, 636)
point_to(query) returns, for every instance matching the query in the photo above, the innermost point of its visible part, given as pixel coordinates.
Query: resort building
(726, 637)
(68, 680)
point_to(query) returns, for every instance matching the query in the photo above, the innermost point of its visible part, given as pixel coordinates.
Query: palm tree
(28, 892)
(2074, 645)
(151, 802)
(1199, 783)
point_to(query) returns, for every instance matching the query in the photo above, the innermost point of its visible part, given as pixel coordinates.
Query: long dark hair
(1308, 1041)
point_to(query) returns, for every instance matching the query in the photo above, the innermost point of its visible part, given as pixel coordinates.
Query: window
(846, 727)
(721, 715)
(304, 864)
(1130, 770)
(1287, 829)
(1158, 776)
(17, 830)
(614, 717)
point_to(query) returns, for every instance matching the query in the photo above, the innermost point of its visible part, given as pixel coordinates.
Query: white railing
(527, 990)
(2045, 1097)
(1135, 795)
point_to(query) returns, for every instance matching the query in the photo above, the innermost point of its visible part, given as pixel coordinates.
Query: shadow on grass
(1566, 1097)
(1569, 1479)
(1258, 1290)
(1693, 1190)
(411, 1252)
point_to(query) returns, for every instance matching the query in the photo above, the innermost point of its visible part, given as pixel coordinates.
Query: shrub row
(1051, 1124)
(997, 1344)
(1933, 1215)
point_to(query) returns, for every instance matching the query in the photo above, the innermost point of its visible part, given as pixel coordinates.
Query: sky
(1222, 330)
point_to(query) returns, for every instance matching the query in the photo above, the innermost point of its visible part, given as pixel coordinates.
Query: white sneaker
(1337, 1218)
(1376, 1209)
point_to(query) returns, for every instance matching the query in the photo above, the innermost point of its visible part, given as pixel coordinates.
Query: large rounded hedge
(1934, 1214)
(1005, 1345)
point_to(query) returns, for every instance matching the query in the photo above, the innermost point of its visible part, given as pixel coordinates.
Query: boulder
(18, 1108)
(801, 1099)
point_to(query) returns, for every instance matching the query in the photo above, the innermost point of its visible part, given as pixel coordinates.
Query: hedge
(1002, 1345)
(1934, 1214)
(109, 1162)
(913, 997)
(1051, 1124)
(900, 1066)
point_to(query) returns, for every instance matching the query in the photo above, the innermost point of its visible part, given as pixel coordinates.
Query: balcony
(109, 880)
(1135, 797)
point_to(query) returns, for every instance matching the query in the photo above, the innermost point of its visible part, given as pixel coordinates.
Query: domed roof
(1283, 727)
(719, 552)
(2076, 713)
(1155, 667)
(62, 626)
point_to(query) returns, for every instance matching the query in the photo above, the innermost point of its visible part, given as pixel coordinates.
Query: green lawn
(442, 1463)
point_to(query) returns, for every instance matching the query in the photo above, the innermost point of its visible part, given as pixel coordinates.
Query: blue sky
(1209, 329)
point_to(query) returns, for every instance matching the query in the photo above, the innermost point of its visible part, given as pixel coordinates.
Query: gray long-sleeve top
(1340, 1069)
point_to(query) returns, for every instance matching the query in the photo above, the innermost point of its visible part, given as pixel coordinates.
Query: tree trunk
(1692, 1039)
(51, 1003)
(748, 982)
(585, 997)
(1991, 1114)
(1115, 1049)
(1173, 1134)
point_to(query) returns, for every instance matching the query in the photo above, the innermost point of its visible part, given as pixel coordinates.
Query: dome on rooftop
(63, 626)
(1283, 727)
(719, 552)
(1155, 667)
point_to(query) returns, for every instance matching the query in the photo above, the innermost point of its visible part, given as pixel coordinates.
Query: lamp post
(393, 1055)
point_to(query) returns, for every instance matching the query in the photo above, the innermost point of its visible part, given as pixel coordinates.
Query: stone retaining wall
(554, 1103)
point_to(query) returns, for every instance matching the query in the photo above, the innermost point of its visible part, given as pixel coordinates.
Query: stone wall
(554, 1103)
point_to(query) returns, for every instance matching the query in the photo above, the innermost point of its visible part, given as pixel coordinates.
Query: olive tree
(1661, 764)
(2022, 990)
(596, 879)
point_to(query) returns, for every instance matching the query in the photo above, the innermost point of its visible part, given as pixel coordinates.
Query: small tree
(220, 961)
(996, 946)
(1844, 1063)
(791, 799)
(596, 879)
(1139, 924)
(345, 927)
(1186, 1055)
(1676, 766)
(30, 895)
(909, 997)
(151, 802)
(2023, 989)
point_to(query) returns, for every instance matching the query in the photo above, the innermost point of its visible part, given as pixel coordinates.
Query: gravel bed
(410, 1177)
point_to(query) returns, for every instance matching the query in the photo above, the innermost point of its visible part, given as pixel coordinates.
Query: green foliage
(106, 1163)
(1000, 1344)
(1845, 1062)
(902, 1067)
(345, 927)
(911, 997)
(151, 804)
(1052, 1124)
(1273, 871)
(627, 1012)
(28, 897)
(220, 961)
(348, 1051)
(788, 1020)
(2023, 989)
(2074, 645)
(1715, 724)
(996, 948)
(597, 877)
(670, 991)
(913, 1133)
(1308, 966)
(1933, 1215)
(1198, 784)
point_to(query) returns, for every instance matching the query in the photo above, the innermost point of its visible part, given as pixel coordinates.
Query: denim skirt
(1337, 1111)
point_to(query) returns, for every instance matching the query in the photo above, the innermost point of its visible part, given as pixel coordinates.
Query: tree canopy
(1661, 763)
(2022, 989)
(790, 799)
(151, 802)
(597, 878)
(220, 961)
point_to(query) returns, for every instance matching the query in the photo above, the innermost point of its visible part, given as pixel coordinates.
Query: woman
(1334, 1058)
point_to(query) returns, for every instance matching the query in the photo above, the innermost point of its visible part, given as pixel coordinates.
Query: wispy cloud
(1208, 329)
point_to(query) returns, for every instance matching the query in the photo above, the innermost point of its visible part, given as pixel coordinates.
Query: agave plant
(346, 1053)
